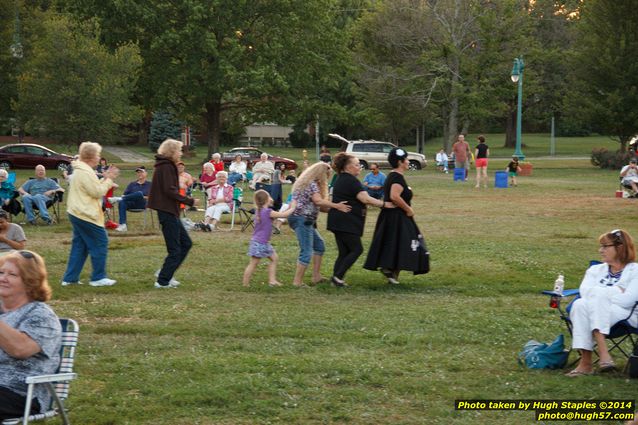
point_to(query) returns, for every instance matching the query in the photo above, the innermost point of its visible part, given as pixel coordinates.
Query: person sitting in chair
(608, 293)
(262, 171)
(11, 234)
(220, 198)
(629, 175)
(36, 193)
(134, 197)
(31, 332)
(237, 170)
(8, 194)
(374, 181)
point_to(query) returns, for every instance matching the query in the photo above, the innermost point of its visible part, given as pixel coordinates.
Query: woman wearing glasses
(30, 332)
(608, 293)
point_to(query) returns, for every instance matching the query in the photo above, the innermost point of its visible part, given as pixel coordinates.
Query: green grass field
(213, 352)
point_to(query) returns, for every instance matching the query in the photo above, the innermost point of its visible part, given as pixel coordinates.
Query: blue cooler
(500, 179)
(459, 174)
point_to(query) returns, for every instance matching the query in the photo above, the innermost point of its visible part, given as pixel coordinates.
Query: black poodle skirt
(397, 244)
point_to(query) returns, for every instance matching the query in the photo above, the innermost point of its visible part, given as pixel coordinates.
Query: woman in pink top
(220, 198)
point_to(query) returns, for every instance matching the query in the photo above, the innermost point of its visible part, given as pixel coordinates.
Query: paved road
(127, 155)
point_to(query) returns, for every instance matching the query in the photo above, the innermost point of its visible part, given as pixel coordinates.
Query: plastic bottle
(559, 284)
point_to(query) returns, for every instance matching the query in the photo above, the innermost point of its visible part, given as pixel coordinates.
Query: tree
(72, 88)
(214, 57)
(606, 71)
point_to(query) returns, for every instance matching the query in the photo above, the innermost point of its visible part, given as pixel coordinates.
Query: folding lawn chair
(58, 383)
(622, 336)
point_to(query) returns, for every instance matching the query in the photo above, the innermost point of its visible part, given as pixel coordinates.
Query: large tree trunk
(213, 126)
(452, 124)
(145, 127)
(510, 130)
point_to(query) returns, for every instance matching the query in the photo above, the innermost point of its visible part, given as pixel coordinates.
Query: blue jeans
(310, 241)
(88, 239)
(234, 178)
(178, 243)
(375, 193)
(38, 200)
(132, 201)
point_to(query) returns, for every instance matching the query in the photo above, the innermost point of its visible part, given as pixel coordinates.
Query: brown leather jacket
(164, 194)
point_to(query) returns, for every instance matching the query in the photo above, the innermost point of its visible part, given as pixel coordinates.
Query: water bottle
(559, 285)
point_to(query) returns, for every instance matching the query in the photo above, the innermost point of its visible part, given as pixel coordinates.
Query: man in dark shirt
(133, 198)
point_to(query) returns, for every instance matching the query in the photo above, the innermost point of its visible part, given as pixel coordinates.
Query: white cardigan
(595, 282)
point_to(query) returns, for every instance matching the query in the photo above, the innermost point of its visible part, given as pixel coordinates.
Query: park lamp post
(517, 77)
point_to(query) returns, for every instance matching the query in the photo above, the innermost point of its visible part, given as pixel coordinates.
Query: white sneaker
(72, 283)
(103, 282)
(121, 228)
(172, 281)
(114, 199)
(169, 286)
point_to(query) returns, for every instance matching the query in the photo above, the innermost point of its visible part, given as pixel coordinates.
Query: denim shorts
(310, 241)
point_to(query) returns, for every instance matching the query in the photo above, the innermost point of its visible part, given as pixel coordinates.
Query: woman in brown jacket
(165, 198)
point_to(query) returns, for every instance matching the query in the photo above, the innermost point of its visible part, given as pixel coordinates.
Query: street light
(517, 77)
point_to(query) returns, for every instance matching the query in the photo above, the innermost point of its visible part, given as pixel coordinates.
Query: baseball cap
(140, 168)
(633, 161)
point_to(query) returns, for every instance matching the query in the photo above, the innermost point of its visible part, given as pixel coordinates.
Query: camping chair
(60, 390)
(622, 336)
(53, 204)
(245, 216)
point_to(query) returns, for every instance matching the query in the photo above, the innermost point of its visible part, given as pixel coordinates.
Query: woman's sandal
(574, 373)
(607, 366)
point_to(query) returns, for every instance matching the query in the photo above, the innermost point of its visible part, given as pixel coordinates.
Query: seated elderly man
(133, 198)
(262, 171)
(37, 192)
(374, 181)
(629, 175)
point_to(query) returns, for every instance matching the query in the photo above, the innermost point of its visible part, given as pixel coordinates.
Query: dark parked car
(27, 155)
(252, 155)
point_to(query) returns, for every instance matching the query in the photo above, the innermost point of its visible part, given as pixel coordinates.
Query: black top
(397, 178)
(513, 166)
(482, 150)
(346, 188)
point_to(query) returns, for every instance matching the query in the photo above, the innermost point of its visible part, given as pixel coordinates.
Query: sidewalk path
(127, 155)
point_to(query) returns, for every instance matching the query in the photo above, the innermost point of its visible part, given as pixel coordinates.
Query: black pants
(12, 404)
(350, 248)
(178, 243)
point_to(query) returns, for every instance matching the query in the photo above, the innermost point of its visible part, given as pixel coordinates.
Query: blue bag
(537, 355)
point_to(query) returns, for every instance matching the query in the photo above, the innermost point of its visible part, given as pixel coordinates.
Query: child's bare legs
(484, 176)
(514, 181)
(478, 177)
(272, 270)
(250, 269)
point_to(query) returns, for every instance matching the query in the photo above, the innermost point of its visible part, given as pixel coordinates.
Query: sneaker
(33, 222)
(121, 228)
(114, 199)
(103, 282)
(72, 283)
(160, 286)
(339, 283)
(47, 221)
(172, 281)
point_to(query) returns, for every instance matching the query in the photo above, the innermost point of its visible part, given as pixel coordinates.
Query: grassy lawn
(213, 352)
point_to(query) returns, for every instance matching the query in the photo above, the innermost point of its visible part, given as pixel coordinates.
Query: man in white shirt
(442, 160)
(629, 174)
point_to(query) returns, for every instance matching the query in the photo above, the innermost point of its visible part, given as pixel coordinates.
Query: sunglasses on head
(28, 255)
(616, 236)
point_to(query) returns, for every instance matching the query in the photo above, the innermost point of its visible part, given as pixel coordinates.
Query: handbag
(537, 355)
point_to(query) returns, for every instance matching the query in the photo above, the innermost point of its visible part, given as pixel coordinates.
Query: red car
(252, 155)
(27, 155)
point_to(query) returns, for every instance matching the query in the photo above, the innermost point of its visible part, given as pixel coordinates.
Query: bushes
(603, 158)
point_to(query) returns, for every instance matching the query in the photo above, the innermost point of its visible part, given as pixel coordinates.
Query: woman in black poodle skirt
(397, 243)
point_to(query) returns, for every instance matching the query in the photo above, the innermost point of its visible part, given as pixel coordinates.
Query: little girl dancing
(260, 246)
